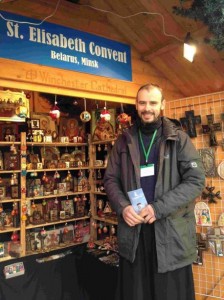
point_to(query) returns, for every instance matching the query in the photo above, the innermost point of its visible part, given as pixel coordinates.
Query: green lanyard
(150, 146)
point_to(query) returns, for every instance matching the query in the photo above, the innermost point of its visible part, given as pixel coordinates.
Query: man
(158, 245)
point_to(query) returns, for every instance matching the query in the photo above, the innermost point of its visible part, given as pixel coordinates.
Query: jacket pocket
(182, 237)
(127, 240)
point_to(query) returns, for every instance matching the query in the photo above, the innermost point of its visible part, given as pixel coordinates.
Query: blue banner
(62, 47)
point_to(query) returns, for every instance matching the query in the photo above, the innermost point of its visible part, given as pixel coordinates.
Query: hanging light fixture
(189, 48)
(55, 112)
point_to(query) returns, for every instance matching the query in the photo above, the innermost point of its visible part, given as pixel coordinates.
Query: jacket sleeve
(190, 180)
(112, 179)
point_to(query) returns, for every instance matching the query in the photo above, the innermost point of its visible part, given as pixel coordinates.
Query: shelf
(98, 167)
(9, 143)
(57, 195)
(9, 171)
(103, 142)
(10, 200)
(30, 226)
(99, 193)
(57, 144)
(58, 169)
(70, 195)
(105, 220)
(9, 229)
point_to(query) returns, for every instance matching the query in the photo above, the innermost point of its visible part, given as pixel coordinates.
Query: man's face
(149, 105)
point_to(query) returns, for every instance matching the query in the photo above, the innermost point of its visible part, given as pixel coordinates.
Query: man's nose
(148, 106)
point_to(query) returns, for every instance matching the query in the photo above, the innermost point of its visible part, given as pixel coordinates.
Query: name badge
(147, 170)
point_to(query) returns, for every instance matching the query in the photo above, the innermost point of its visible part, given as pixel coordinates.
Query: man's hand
(148, 214)
(131, 217)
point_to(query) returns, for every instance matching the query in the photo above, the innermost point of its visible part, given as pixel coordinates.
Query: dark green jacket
(180, 180)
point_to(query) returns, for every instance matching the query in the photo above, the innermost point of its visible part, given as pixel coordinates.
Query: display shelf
(3, 143)
(73, 200)
(9, 171)
(110, 141)
(58, 169)
(57, 195)
(9, 229)
(101, 218)
(84, 211)
(8, 200)
(57, 222)
(99, 193)
(106, 219)
(57, 144)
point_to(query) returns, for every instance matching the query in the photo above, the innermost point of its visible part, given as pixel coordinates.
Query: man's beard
(153, 118)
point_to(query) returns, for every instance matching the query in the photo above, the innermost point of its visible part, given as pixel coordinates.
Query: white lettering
(90, 63)
(107, 53)
(64, 57)
(38, 35)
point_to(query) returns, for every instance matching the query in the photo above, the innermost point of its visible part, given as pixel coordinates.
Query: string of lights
(103, 11)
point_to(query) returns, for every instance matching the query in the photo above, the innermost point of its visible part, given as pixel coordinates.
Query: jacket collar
(170, 129)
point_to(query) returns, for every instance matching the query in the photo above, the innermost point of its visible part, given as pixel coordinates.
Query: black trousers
(141, 281)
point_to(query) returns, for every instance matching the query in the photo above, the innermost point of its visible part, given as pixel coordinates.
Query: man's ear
(163, 104)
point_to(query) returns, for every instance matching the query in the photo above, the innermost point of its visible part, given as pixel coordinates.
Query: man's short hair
(150, 86)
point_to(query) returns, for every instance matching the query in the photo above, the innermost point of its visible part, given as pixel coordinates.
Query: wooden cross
(210, 128)
(189, 122)
(216, 242)
(211, 195)
(202, 245)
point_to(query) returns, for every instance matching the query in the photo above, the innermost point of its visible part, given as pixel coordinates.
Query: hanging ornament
(15, 210)
(99, 175)
(55, 175)
(15, 236)
(105, 115)
(55, 112)
(124, 121)
(65, 231)
(43, 233)
(85, 115)
(69, 176)
(13, 149)
(45, 178)
(84, 198)
(105, 229)
(94, 224)
(112, 230)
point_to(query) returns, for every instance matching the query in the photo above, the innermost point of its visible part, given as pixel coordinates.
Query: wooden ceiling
(139, 23)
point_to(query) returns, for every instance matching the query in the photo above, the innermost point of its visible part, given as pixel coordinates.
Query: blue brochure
(138, 200)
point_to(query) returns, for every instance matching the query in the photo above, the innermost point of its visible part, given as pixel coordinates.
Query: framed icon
(14, 191)
(2, 192)
(35, 123)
